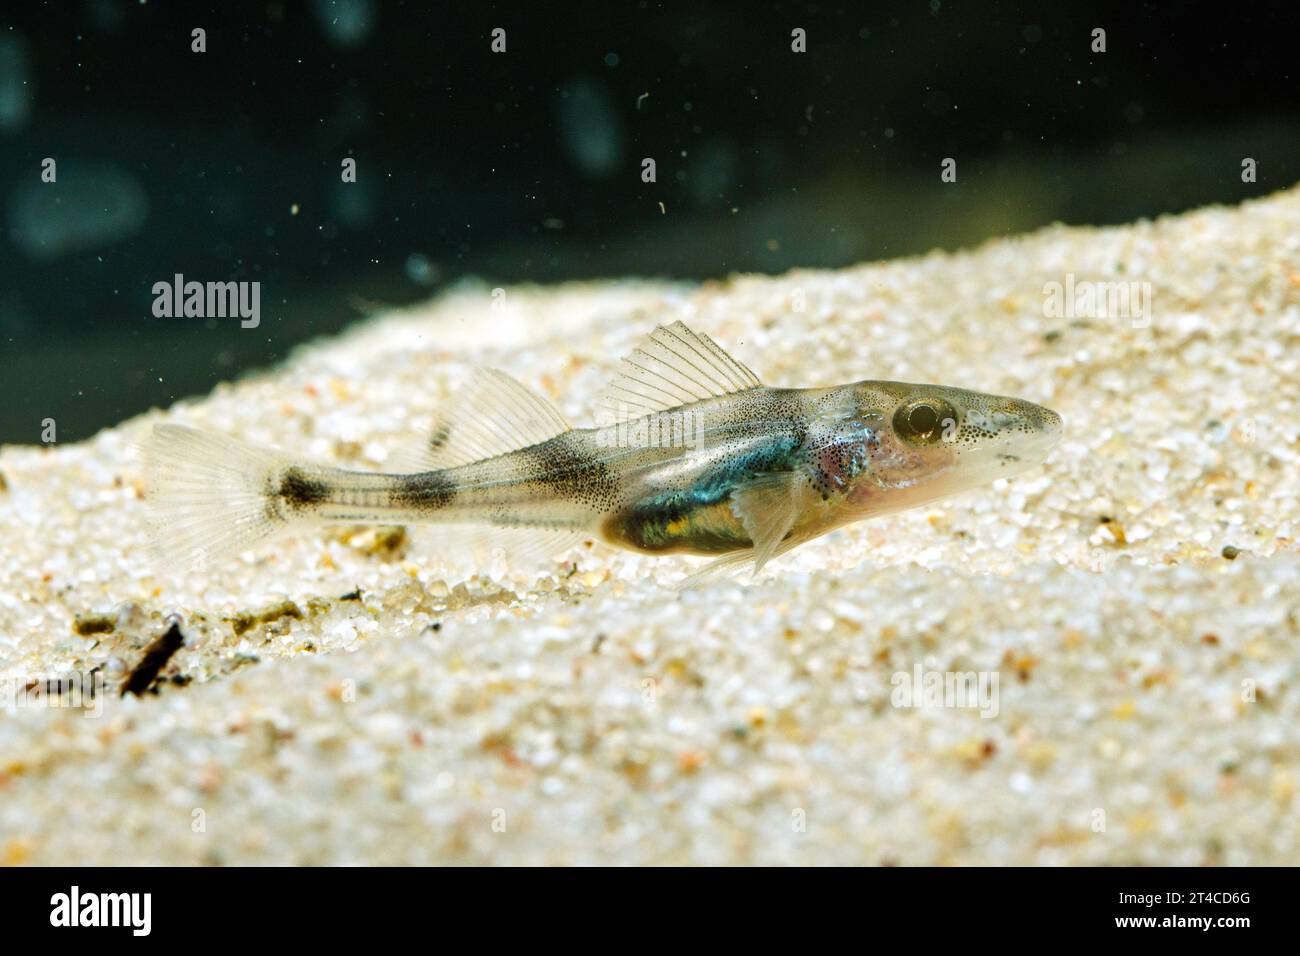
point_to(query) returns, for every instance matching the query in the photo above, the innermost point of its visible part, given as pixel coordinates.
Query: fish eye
(921, 422)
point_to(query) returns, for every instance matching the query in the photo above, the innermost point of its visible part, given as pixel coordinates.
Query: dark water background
(526, 166)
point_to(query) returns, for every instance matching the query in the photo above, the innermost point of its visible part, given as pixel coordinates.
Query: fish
(692, 455)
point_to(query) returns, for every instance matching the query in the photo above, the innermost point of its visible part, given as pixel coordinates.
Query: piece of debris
(1112, 532)
(1230, 552)
(247, 620)
(382, 541)
(156, 655)
(87, 624)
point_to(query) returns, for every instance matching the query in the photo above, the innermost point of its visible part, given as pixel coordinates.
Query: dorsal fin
(492, 414)
(672, 366)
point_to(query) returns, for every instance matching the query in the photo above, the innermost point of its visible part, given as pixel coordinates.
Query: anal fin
(519, 546)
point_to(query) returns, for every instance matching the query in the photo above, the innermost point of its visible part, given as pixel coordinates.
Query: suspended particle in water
(17, 85)
(106, 16)
(345, 23)
(591, 128)
(353, 204)
(16, 319)
(421, 271)
(90, 205)
(712, 171)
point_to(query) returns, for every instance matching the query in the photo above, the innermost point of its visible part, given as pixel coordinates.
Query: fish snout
(1015, 428)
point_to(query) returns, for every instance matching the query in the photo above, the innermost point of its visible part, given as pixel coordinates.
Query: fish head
(931, 441)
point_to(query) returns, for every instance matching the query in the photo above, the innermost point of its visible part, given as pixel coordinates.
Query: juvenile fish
(695, 456)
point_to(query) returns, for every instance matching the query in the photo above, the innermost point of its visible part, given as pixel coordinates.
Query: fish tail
(209, 496)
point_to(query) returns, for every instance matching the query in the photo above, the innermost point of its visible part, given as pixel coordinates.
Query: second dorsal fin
(492, 414)
(673, 366)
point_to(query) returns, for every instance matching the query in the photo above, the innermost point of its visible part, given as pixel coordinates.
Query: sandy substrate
(582, 711)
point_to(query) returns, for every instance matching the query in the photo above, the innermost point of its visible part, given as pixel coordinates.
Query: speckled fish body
(696, 456)
(829, 456)
(652, 498)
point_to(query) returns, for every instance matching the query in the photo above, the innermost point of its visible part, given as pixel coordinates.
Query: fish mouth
(1034, 433)
(1036, 445)
(1050, 429)
(1052, 425)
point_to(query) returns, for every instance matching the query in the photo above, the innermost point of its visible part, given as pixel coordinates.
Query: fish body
(696, 457)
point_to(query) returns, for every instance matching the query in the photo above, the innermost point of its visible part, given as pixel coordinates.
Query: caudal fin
(207, 495)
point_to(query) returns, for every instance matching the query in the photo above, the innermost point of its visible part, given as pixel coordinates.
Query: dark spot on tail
(430, 491)
(572, 472)
(299, 491)
(440, 436)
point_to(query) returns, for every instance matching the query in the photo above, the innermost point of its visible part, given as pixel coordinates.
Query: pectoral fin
(768, 506)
